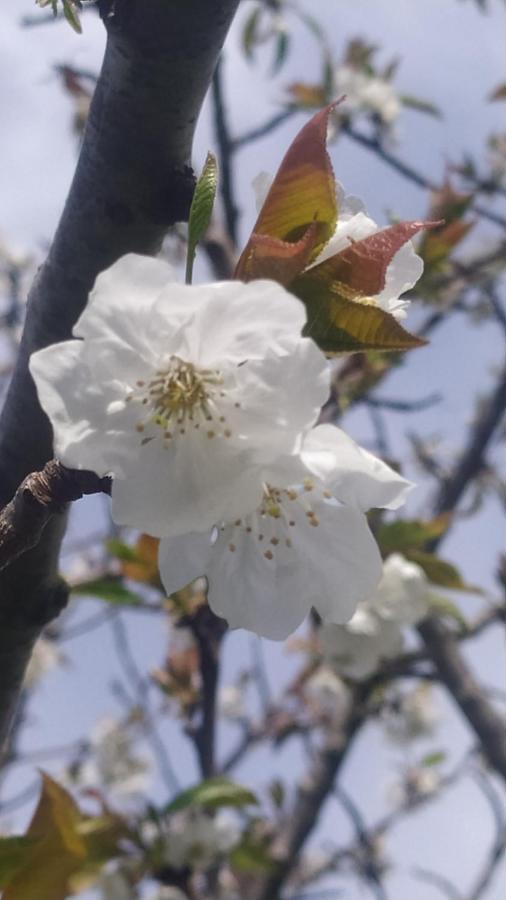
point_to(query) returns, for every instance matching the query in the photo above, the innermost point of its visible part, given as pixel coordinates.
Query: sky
(450, 54)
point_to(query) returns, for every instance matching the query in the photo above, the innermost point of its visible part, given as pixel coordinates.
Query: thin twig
(223, 139)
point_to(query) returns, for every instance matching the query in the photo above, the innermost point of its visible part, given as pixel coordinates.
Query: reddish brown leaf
(359, 271)
(279, 260)
(303, 193)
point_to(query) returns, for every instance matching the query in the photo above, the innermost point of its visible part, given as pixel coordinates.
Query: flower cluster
(367, 93)
(375, 632)
(354, 224)
(202, 402)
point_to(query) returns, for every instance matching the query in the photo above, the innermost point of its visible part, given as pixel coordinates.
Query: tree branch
(441, 644)
(41, 496)
(312, 794)
(132, 182)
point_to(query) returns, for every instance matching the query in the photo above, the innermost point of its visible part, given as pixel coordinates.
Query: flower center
(281, 511)
(181, 396)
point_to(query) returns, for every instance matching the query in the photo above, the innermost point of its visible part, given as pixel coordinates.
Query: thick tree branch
(132, 181)
(441, 644)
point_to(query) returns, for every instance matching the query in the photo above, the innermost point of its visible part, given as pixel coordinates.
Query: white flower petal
(355, 476)
(261, 187)
(120, 297)
(403, 591)
(242, 321)
(86, 435)
(272, 414)
(184, 486)
(183, 558)
(345, 562)
(402, 274)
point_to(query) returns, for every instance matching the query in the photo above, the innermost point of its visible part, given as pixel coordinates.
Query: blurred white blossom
(113, 885)
(231, 702)
(197, 839)
(46, 656)
(326, 693)
(410, 716)
(417, 783)
(376, 630)
(113, 763)
(366, 93)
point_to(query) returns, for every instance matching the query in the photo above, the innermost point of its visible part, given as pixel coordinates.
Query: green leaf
(420, 105)
(14, 852)
(249, 33)
(441, 572)
(433, 759)
(122, 551)
(344, 326)
(251, 857)
(109, 589)
(72, 16)
(212, 793)
(409, 534)
(282, 48)
(446, 609)
(201, 210)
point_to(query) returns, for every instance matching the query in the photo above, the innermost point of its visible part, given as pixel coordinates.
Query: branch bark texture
(453, 670)
(132, 181)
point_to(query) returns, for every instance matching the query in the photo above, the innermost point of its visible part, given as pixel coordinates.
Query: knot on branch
(41, 496)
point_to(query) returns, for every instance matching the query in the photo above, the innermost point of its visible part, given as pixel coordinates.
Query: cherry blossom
(306, 544)
(180, 392)
(375, 632)
(354, 224)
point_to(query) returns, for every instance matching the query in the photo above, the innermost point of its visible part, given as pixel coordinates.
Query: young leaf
(302, 193)
(443, 607)
(441, 572)
(14, 853)
(338, 325)
(424, 106)
(359, 271)
(212, 793)
(62, 851)
(410, 534)
(109, 589)
(57, 851)
(201, 210)
(72, 16)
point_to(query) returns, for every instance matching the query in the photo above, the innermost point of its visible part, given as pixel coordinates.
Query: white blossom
(113, 885)
(307, 544)
(354, 224)
(46, 656)
(114, 764)
(326, 693)
(180, 392)
(417, 783)
(406, 267)
(231, 702)
(197, 839)
(411, 715)
(168, 893)
(366, 93)
(375, 632)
